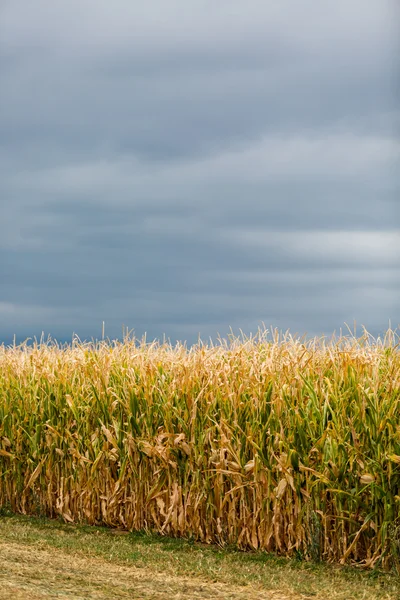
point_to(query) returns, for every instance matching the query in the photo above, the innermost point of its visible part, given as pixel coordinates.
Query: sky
(198, 168)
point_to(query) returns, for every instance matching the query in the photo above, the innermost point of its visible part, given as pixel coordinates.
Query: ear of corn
(280, 445)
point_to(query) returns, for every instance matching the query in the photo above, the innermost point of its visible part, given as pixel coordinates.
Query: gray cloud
(186, 169)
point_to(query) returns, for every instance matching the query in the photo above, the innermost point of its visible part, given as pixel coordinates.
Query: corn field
(285, 445)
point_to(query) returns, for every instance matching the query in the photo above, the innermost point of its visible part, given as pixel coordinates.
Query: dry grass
(31, 573)
(285, 445)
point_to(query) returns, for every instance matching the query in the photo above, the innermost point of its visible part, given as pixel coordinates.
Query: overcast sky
(186, 167)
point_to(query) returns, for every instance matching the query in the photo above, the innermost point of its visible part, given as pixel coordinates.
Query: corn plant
(281, 444)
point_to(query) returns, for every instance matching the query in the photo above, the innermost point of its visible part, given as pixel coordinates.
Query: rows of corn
(286, 445)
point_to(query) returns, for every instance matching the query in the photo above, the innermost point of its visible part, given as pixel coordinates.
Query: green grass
(181, 562)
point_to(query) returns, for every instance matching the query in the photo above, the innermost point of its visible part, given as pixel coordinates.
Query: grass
(42, 558)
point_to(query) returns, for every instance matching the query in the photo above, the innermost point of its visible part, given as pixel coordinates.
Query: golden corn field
(284, 445)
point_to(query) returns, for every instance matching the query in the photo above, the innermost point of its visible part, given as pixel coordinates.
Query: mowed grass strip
(284, 445)
(40, 558)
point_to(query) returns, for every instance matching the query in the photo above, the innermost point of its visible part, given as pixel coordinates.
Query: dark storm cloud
(186, 168)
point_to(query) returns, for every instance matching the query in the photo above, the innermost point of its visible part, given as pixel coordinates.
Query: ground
(42, 559)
